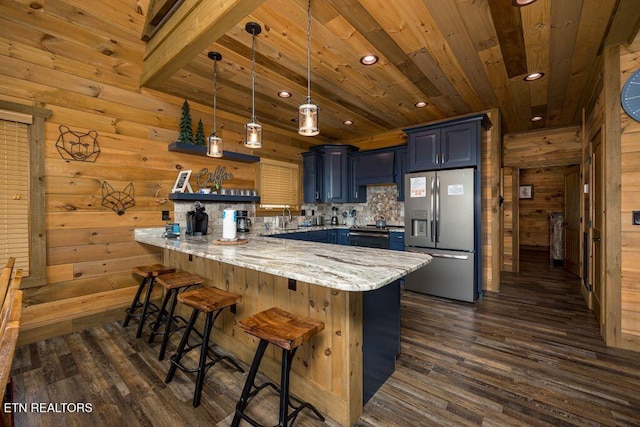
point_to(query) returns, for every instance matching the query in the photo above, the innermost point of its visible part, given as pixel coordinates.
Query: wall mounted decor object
(78, 146)
(118, 201)
(526, 191)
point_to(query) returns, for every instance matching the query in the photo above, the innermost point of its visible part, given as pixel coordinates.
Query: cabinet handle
(317, 195)
(437, 158)
(444, 159)
(328, 195)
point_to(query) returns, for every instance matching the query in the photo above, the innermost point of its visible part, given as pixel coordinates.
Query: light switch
(636, 217)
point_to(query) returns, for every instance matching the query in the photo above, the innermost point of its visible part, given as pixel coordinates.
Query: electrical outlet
(636, 217)
(292, 284)
(165, 215)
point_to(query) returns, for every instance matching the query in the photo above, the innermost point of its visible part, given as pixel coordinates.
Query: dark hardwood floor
(530, 355)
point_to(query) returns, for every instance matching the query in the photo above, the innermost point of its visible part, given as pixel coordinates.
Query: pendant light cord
(253, 79)
(215, 73)
(309, 52)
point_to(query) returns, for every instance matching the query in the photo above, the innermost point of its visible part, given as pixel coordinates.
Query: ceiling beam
(625, 23)
(508, 25)
(191, 29)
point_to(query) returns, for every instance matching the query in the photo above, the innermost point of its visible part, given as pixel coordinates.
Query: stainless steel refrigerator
(442, 219)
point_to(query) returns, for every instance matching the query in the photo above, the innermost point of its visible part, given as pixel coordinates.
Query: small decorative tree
(200, 138)
(186, 133)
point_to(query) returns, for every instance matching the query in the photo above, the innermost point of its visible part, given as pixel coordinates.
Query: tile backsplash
(381, 201)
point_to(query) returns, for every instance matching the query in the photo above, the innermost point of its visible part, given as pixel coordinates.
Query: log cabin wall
(87, 74)
(548, 197)
(526, 150)
(630, 199)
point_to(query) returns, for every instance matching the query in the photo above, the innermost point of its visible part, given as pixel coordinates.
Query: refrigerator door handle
(437, 211)
(433, 231)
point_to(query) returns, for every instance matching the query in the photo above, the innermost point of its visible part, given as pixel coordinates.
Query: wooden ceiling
(460, 56)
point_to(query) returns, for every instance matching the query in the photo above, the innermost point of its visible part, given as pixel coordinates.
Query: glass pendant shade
(308, 119)
(253, 134)
(214, 142)
(214, 146)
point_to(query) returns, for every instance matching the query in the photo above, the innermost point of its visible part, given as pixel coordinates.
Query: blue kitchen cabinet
(375, 167)
(400, 168)
(357, 192)
(444, 146)
(343, 236)
(396, 240)
(326, 174)
(320, 236)
(332, 236)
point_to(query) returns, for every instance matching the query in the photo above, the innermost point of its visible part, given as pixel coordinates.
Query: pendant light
(253, 129)
(214, 142)
(308, 113)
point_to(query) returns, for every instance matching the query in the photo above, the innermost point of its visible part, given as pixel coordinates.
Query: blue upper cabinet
(326, 174)
(357, 192)
(375, 167)
(444, 146)
(400, 168)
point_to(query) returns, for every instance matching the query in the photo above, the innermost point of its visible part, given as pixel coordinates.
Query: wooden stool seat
(287, 331)
(210, 301)
(173, 284)
(179, 279)
(149, 273)
(153, 270)
(281, 328)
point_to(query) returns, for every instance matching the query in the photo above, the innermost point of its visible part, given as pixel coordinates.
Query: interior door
(572, 219)
(597, 228)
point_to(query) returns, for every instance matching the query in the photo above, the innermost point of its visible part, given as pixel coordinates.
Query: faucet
(286, 216)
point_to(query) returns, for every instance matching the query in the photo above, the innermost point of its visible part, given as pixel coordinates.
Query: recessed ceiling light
(348, 122)
(284, 94)
(536, 118)
(533, 76)
(520, 3)
(369, 59)
(421, 104)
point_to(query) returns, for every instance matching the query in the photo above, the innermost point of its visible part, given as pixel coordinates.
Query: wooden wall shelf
(199, 150)
(198, 197)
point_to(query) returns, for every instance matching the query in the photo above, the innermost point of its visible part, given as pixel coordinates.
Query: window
(22, 202)
(279, 185)
(14, 188)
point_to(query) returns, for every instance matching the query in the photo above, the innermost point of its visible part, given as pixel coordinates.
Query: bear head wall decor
(78, 146)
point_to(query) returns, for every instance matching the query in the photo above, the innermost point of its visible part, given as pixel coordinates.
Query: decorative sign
(526, 191)
(118, 201)
(182, 182)
(78, 146)
(213, 179)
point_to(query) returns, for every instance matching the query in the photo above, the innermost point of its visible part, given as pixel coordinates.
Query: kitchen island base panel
(327, 369)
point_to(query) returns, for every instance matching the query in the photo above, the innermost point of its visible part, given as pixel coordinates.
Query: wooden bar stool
(173, 283)
(148, 274)
(287, 331)
(211, 301)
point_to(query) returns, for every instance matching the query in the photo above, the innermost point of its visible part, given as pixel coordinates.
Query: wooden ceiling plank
(508, 24)
(447, 17)
(625, 23)
(477, 20)
(207, 21)
(565, 17)
(536, 30)
(366, 25)
(593, 26)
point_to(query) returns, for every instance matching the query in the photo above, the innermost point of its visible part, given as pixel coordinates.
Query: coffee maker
(197, 221)
(243, 223)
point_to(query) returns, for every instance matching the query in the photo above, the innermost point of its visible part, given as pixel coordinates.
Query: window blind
(14, 189)
(279, 184)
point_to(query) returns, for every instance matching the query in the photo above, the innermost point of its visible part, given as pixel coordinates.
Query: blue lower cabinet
(320, 236)
(332, 236)
(343, 237)
(380, 336)
(396, 240)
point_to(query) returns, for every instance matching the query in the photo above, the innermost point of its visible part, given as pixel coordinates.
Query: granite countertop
(346, 268)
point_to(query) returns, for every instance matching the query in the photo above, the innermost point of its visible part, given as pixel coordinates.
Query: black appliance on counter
(243, 223)
(370, 236)
(197, 221)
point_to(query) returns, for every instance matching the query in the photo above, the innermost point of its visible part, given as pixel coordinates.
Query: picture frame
(182, 182)
(526, 191)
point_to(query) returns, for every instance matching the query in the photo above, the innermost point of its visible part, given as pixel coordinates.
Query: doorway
(548, 209)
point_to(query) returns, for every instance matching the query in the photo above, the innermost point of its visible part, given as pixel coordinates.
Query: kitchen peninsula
(353, 290)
